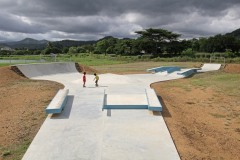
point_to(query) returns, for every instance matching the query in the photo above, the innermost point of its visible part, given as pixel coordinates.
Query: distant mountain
(107, 37)
(235, 33)
(71, 43)
(30, 43)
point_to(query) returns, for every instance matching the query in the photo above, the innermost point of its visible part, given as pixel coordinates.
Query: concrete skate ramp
(210, 67)
(42, 69)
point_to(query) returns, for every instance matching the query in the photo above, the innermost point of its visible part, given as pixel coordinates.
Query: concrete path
(84, 131)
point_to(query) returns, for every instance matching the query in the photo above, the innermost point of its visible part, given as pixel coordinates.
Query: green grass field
(220, 81)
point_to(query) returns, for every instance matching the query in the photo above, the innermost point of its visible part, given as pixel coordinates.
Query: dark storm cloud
(83, 19)
(15, 23)
(94, 7)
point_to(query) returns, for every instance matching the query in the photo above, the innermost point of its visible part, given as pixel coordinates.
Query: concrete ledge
(58, 102)
(153, 102)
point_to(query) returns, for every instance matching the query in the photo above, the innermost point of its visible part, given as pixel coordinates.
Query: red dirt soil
(232, 68)
(22, 104)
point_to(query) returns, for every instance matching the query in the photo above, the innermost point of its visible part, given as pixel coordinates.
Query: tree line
(154, 42)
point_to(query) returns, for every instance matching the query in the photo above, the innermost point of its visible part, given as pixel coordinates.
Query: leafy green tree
(37, 52)
(73, 50)
(203, 44)
(110, 50)
(157, 37)
(188, 52)
(104, 44)
(81, 49)
(88, 48)
(49, 45)
(123, 47)
(195, 44)
(229, 53)
(65, 50)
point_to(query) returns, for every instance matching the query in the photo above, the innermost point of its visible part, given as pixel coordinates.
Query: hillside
(29, 43)
(69, 43)
(235, 33)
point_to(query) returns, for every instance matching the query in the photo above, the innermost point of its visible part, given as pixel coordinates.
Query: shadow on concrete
(165, 111)
(109, 113)
(66, 111)
(97, 87)
(156, 113)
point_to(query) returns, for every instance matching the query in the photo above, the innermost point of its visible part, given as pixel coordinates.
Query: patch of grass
(97, 59)
(222, 82)
(125, 66)
(20, 150)
(6, 153)
(16, 151)
(177, 84)
(4, 64)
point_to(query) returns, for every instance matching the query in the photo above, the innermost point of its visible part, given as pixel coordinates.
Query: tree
(159, 37)
(73, 50)
(88, 48)
(65, 50)
(104, 44)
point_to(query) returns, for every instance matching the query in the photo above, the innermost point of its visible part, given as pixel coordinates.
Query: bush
(188, 52)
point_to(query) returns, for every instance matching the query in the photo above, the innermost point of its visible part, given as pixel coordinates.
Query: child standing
(96, 79)
(84, 79)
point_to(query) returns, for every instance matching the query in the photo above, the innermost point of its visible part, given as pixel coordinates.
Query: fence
(217, 59)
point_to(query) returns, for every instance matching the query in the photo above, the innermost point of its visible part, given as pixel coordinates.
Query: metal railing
(218, 59)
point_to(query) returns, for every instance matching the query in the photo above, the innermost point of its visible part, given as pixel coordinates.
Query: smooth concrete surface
(84, 131)
(39, 69)
(210, 67)
(136, 135)
(131, 99)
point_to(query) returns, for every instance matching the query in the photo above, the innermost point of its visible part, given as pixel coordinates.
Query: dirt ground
(204, 124)
(232, 68)
(22, 104)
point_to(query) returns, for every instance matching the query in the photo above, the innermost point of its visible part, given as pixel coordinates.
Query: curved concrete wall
(41, 69)
(210, 67)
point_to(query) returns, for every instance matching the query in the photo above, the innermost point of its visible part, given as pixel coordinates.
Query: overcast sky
(94, 19)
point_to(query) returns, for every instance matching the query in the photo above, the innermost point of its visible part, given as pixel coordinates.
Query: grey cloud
(90, 24)
(16, 24)
(116, 7)
(93, 18)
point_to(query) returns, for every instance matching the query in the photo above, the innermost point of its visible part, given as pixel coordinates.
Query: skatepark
(85, 130)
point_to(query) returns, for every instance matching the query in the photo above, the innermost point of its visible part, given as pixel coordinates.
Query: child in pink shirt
(84, 79)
